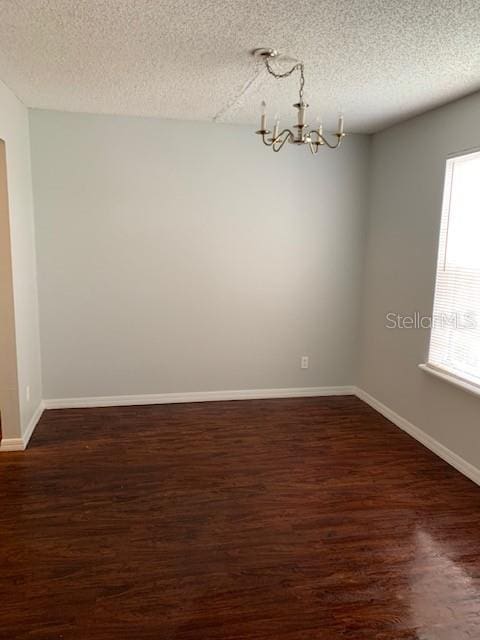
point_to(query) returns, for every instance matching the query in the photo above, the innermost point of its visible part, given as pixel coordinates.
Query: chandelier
(303, 133)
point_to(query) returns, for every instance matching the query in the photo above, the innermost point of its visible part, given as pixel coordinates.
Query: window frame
(434, 370)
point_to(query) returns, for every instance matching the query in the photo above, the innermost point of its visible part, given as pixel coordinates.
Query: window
(455, 335)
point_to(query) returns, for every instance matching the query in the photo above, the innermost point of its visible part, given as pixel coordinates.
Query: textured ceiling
(378, 61)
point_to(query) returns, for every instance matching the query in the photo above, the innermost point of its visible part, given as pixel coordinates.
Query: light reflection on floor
(444, 598)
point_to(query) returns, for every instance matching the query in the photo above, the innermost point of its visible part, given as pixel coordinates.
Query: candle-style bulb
(276, 128)
(340, 123)
(263, 117)
(319, 125)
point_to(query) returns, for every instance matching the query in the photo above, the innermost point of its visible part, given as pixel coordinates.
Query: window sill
(470, 387)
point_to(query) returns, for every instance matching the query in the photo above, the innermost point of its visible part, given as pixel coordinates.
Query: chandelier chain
(298, 66)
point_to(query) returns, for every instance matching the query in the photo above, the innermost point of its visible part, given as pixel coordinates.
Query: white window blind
(455, 335)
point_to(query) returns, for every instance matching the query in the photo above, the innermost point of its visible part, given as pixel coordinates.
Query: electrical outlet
(304, 362)
(27, 393)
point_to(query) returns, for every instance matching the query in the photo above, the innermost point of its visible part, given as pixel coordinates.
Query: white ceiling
(379, 61)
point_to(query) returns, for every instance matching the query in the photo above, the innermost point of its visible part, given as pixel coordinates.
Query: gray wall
(408, 162)
(181, 257)
(14, 130)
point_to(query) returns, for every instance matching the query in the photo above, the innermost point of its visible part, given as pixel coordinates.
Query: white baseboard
(20, 444)
(12, 444)
(456, 461)
(33, 423)
(439, 449)
(196, 396)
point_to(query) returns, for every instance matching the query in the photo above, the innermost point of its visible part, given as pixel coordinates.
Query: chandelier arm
(337, 144)
(329, 145)
(281, 134)
(265, 141)
(276, 146)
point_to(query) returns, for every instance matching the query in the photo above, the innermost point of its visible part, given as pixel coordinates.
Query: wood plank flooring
(304, 519)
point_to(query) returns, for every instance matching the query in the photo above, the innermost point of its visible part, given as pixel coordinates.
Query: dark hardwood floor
(279, 519)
